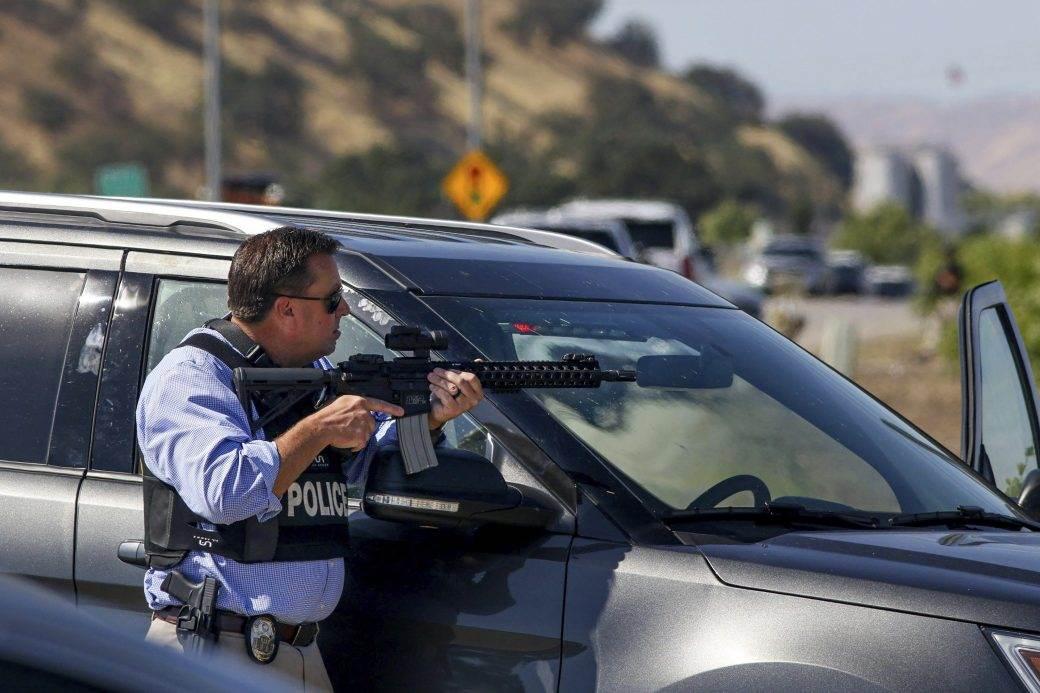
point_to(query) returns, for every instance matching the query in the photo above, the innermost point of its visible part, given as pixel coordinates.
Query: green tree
(728, 223)
(48, 108)
(635, 42)
(557, 21)
(400, 179)
(728, 87)
(819, 136)
(1016, 263)
(440, 32)
(886, 234)
(266, 104)
(802, 215)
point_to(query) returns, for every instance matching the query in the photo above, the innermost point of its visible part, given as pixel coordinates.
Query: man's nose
(342, 309)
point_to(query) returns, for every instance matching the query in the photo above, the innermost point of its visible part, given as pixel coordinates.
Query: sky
(831, 49)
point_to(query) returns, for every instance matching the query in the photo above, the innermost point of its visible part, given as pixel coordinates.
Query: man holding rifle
(232, 567)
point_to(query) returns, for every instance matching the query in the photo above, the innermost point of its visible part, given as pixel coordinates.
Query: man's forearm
(297, 448)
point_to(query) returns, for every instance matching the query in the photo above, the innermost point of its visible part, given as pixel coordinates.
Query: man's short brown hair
(271, 263)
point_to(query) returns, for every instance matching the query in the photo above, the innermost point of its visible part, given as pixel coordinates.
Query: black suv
(748, 519)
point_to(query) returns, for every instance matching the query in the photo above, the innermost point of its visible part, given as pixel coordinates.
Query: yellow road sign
(475, 185)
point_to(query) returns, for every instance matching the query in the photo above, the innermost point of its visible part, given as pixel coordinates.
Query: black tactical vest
(313, 522)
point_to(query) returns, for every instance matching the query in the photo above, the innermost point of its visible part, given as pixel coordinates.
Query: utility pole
(474, 78)
(211, 111)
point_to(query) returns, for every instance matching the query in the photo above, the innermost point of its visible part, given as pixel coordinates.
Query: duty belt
(228, 621)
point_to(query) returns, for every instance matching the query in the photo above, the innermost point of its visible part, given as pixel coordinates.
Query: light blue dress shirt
(194, 435)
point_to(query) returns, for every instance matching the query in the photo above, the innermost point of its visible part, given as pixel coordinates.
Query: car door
(1000, 431)
(54, 306)
(160, 298)
(429, 609)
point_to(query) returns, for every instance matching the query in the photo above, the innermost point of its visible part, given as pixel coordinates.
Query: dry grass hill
(88, 82)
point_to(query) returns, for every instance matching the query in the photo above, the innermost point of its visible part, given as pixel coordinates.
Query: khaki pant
(301, 667)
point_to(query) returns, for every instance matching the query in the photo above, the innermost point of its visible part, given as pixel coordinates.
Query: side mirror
(463, 491)
(1029, 499)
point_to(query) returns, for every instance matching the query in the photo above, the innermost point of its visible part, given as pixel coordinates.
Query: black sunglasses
(332, 301)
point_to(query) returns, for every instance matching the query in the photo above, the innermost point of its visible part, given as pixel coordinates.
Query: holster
(198, 615)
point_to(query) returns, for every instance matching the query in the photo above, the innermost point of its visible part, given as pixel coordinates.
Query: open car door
(1000, 431)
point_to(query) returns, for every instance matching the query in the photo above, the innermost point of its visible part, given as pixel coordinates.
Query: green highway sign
(121, 180)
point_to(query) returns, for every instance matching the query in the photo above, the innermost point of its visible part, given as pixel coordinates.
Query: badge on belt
(261, 638)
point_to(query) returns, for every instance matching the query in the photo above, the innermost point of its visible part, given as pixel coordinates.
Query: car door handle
(133, 553)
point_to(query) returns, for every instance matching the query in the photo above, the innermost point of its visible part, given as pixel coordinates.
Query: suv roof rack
(139, 211)
(253, 219)
(550, 239)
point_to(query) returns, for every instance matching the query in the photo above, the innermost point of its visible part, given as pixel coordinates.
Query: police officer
(246, 530)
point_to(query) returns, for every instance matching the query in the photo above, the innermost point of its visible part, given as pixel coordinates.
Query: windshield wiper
(963, 515)
(777, 514)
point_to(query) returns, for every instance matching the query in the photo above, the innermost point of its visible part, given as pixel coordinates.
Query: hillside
(316, 90)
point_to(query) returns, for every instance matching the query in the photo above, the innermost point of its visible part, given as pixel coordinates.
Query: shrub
(439, 30)
(557, 21)
(402, 179)
(635, 41)
(730, 88)
(1016, 263)
(819, 136)
(51, 110)
(728, 223)
(886, 234)
(268, 104)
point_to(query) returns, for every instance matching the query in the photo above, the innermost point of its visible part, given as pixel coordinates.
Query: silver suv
(665, 236)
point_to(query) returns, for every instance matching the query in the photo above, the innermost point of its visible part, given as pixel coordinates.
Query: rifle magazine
(413, 437)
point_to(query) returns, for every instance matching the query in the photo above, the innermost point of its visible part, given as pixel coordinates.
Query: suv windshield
(810, 437)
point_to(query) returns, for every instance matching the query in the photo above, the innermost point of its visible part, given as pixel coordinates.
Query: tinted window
(36, 312)
(652, 234)
(1006, 429)
(601, 237)
(180, 307)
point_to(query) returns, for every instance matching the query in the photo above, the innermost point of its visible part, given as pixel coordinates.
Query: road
(872, 317)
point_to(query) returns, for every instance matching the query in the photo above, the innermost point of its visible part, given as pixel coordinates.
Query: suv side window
(184, 305)
(180, 307)
(32, 351)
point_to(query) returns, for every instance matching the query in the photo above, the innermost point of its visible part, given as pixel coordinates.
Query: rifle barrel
(514, 375)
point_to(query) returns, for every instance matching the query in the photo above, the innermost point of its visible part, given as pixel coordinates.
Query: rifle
(402, 381)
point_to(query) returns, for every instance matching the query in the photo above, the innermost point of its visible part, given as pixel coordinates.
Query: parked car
(609, 233)
(845, 272)
(788, 262)
(890, 281)
(665, 235)
(742, 518)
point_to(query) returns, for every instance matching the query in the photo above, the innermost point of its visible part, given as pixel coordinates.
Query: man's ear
(283, 307)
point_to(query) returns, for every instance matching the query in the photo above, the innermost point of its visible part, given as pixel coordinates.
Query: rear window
(36, 312)
(601, 237)
(652, 234)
